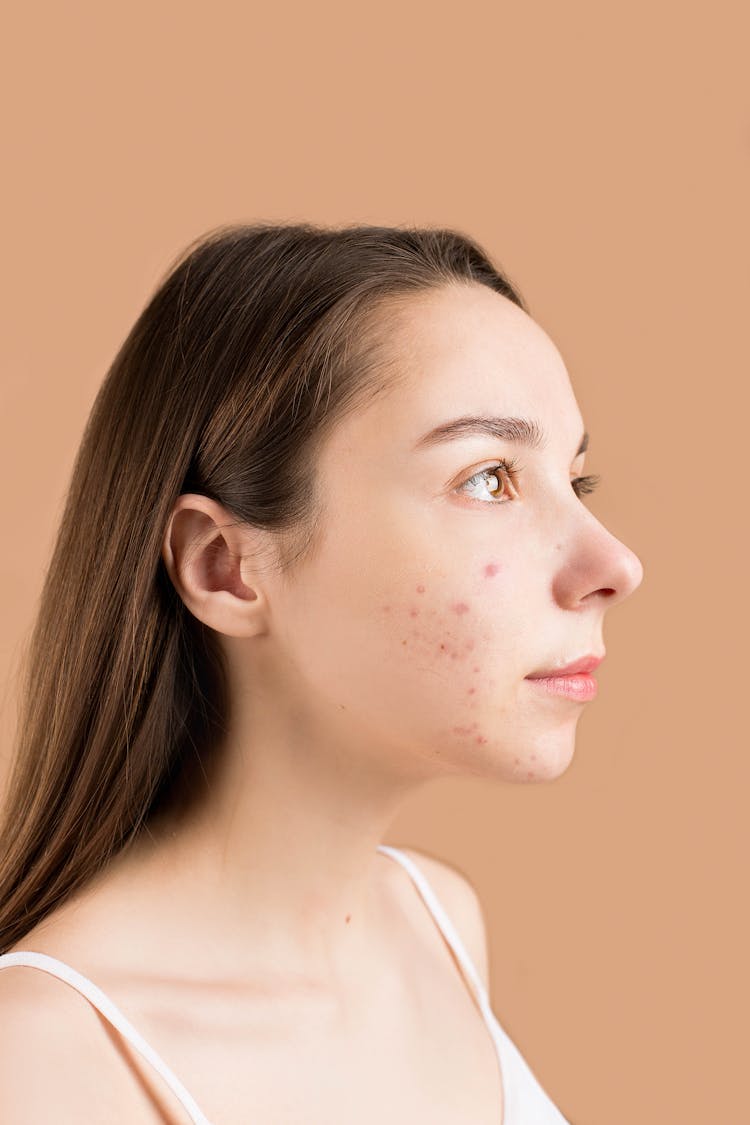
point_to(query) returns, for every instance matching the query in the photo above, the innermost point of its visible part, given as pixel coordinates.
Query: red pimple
(491, 570)
(471, 691)
(460, 607)
(386, 608)
(420, 589)
(476, 669)
(413, 613)
(480, 739)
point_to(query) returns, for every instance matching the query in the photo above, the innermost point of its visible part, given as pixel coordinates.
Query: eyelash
(581, 485)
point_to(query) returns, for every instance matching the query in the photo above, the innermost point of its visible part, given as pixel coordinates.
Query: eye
(582, 486)
(507, 467)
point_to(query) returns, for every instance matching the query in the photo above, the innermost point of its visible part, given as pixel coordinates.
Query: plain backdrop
(601, 154)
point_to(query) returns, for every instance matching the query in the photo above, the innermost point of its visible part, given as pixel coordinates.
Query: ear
(214, 564)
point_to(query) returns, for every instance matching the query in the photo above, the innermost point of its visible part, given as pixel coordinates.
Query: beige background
(600, 153)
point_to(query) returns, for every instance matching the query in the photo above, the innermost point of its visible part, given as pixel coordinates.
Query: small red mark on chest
(460, 607)
(348, 917)
(420, 589)
(491, 570)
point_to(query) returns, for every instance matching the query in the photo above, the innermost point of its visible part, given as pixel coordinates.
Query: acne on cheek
(428, 640)
(471, 731)
(465, 730)
(434, 644)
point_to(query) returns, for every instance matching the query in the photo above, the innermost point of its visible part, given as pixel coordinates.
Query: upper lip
(585, 664)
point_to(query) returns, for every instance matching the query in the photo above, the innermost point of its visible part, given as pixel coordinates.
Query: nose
(628, 570)
(598, 565)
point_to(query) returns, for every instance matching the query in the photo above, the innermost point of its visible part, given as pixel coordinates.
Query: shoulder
(462, 902)
(56, 1061)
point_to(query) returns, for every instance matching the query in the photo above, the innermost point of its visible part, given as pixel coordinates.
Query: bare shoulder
(57, 1062)
(461, 900)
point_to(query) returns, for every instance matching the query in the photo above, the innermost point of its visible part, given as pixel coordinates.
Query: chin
(540, 759)
(549, 762)
(525, 752)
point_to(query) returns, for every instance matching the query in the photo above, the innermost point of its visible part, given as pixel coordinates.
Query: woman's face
(440, 581)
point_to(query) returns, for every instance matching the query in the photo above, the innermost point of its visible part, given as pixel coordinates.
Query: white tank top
(525, 1102)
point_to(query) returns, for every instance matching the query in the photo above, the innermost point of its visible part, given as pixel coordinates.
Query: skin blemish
(475, 669)
(348, 917)
(386, 609)
(420, 589)
(491, 570)
(469, 645)
(413, 613)
(480, 739)
(471, 691)
(460, 607)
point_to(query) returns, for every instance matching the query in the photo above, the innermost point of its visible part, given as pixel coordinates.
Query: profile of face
(441, 580)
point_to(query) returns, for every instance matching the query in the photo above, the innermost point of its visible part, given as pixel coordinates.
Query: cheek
(450, 633)
(447, 649)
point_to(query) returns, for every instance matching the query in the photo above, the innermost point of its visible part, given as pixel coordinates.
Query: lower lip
(580, 686)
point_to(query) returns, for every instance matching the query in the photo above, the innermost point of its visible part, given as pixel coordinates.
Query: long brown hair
(258, 340)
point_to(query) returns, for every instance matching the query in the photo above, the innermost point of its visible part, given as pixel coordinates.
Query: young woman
(325, 541)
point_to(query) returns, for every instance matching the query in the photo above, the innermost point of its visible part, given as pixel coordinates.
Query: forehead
(464, 349)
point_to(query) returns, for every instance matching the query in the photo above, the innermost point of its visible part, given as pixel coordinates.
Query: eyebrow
(521, 431)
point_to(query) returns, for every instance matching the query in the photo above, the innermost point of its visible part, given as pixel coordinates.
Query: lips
(584, 664)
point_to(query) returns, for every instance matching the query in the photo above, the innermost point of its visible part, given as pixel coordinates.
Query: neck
(279, 867)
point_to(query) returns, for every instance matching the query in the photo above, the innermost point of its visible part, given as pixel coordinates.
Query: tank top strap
(512, 1102)
(525, 1102)
(447, 928)
(112, 1014)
